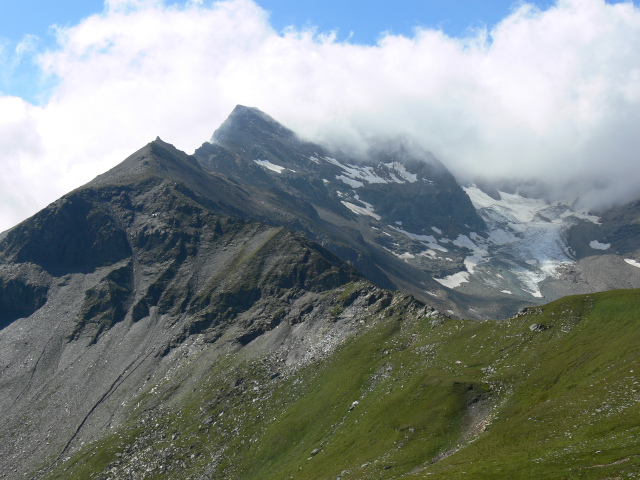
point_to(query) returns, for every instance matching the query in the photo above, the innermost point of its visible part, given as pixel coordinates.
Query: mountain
(266, 304)
(381, 211)
(399, 216)
(114, 285)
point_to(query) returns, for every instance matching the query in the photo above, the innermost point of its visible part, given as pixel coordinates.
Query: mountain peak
(247, 112)
(157, 158)
(249, 123)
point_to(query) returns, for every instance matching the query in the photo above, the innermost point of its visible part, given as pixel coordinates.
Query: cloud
(27, 45)
(550, 95)
(19, 146)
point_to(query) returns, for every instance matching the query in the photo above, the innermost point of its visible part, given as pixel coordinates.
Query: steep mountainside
(533, 248)
(395, 213)
(607, 253)
(100, 288)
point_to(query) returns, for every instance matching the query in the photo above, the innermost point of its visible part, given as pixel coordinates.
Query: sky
(547, 91)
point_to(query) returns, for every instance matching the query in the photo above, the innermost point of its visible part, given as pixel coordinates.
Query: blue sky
(545, 90)
(36, 16)
(366, 19)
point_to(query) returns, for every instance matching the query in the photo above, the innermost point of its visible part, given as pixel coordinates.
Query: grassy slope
(575, 404)
(459, 400)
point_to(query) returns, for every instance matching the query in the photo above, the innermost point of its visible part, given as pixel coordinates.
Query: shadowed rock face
(23, 290)
(105, 304)
(74, 233)
(145, 229)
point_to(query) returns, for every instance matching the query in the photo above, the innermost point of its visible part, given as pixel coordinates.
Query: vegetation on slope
(550, 393)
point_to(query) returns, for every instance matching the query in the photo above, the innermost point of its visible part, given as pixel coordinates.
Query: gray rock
(207, 421)
(536, 327)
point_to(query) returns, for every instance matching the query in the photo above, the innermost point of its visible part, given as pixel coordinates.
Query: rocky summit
(272, 308)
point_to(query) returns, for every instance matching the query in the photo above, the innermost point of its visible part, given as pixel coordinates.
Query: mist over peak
(592, 180)
(595, 193)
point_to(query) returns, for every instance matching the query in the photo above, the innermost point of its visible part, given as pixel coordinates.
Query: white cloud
(553, 95)
(27, 45)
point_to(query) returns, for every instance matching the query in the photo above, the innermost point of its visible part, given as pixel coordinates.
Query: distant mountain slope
(618, 231)
(552, 393)
(406, 185)
(400, 217)
(534, 248)
(392, 213)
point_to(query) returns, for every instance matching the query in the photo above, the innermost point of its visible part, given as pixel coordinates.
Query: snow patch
(630, 261)
(429, 240)
(349, 181)
(501, 237)
(464, 242)
(479, 253)
(415, 236)
(271, 166)
(395, 179)
(596, 245)
(453, 281)
(402, 171)
(512, 206)
(528, 233)
(437, 230)
(508, 292)
(368, 210)
(394, 172)
(333, 161)
(362, 174)
(581, 214)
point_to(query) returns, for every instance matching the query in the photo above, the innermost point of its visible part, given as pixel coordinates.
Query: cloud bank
(552, 96)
